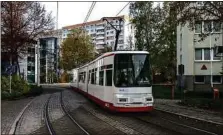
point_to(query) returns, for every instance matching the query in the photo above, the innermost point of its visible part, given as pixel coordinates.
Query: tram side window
(89, 75)
(101, 78)
(108, 77)
(84, 76)
(95, 75)
(92, 78)
(79, 77)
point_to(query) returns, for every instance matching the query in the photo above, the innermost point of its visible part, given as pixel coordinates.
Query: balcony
(100, 32)
(97, 47)
(100, 42)
(100, 37)
(100, 27)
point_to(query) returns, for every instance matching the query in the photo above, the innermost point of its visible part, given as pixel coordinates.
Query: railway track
(71, 118)
(47, 119)
(49, 124)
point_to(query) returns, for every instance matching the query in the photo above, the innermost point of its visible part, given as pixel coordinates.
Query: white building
(103, 34)
(201, 68)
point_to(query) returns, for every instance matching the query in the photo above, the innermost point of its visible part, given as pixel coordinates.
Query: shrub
(204, 103)
(35, 90)
(19, 87)
(5, 95)
(4, 83)
(19, 84)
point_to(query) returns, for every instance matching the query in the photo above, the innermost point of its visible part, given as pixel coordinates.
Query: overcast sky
(75, 12)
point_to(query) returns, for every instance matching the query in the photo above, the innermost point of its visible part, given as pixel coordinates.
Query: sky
(70, 13)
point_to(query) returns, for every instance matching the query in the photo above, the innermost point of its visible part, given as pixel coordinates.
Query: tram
(119, 81)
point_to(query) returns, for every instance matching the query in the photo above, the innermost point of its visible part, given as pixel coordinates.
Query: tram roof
(112, 53)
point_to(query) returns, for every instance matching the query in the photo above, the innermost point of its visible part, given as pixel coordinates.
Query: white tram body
(119, 81)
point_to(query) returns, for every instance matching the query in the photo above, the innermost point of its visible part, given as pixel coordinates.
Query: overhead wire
(89, 12)
(123, 8)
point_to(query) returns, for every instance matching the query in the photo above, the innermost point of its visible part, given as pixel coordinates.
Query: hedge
(19, 88)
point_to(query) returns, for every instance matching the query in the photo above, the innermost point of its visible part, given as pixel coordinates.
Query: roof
(89, 23)
(116, 52)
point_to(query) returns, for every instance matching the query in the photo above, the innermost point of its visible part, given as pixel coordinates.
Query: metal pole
(46, 70)
(57, 55)
(10, 77)
(38, 63)
(211, 61)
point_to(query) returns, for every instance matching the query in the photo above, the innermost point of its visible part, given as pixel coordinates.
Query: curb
(15, 123)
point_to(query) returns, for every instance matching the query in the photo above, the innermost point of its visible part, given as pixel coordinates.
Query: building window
(120, 41)
(216, 79)
(33, 68)
(205, 54)
(198, 27)
(107, 33)
(207, 26)
(111, 32)
(29, 68)
(216, 26)
(213, 56)
(112, 42)
(199, 79)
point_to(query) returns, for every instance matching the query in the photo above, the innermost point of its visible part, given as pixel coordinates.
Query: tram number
(123, 90)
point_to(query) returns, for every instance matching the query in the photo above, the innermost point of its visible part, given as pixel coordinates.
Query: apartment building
(201, 67)
(48, 45)
(103, 34)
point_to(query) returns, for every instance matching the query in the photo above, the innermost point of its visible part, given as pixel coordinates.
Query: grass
(201, 99)
(204, 103)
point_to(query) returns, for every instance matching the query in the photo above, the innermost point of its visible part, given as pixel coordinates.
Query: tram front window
(132, 70)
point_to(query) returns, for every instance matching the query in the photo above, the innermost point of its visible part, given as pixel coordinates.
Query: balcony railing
(100, 27)
(100, 37)
(100, 42)
(100, 32)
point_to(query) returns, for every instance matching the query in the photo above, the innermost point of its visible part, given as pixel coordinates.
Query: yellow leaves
(76, 49)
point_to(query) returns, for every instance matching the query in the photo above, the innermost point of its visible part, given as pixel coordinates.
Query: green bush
(4, 83)
(11, 96)
(20, 85)
(5, 95)
(204, 103)
(35, 90)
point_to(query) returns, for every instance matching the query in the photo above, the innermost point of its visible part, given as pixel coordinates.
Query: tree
(22, 23)
(167, 40)
(104, 50)
(76, 50)
(156, 33)
(190, 12)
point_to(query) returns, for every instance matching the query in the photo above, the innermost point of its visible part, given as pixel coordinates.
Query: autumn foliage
(76, 50)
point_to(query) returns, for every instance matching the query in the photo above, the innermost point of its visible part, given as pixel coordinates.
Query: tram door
(88, 77)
